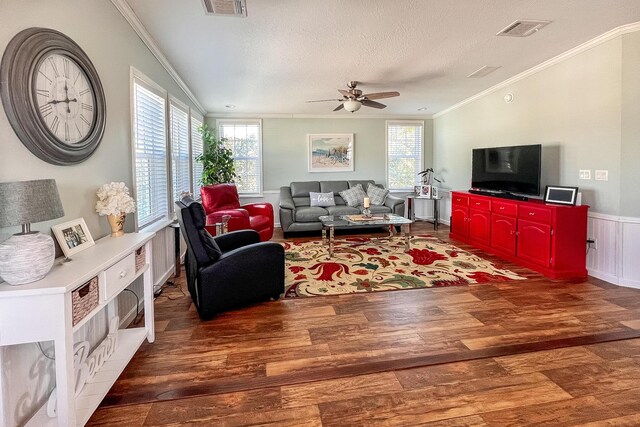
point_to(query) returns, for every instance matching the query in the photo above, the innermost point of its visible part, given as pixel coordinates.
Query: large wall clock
(52, 96)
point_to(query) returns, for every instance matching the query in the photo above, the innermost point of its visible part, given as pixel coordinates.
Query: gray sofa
(296, 214)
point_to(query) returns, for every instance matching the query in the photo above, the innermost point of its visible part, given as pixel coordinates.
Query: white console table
(42, 311)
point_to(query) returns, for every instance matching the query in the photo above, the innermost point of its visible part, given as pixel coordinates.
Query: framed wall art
(73, 236)
(331, 152)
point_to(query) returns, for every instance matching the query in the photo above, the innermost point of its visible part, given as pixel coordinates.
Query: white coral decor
(114, 199)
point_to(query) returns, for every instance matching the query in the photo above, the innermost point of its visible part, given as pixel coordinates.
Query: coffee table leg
(407, 240)
(391, 230)
(331, 242)
(324, 236)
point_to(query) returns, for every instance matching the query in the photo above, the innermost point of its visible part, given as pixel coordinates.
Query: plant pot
(117, 224)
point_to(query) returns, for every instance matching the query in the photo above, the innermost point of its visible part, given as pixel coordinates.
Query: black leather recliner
(228, 271)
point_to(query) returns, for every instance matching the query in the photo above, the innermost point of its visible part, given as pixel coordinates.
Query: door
(503, 233)
(479, 225)
(459, 223)
(534, 242)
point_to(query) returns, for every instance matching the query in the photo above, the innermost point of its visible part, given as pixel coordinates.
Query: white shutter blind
(196, 150)
(244, 140)
(180, 161)
(404, 154)
(150, 140)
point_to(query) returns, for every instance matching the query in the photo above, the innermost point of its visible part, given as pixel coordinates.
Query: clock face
(64, 98)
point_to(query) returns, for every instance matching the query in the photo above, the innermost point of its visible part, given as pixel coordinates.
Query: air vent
(226, 7)
(523, 28)
(482, 72)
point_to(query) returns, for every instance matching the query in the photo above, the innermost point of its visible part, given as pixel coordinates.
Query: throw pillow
(377, 195)
(354, 196)
(322, 199)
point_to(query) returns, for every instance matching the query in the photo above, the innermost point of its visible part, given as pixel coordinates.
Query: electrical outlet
(585, 174)
(593, 243)
(602, 175)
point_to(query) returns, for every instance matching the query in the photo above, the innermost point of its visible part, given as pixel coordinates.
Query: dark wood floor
(535, 352)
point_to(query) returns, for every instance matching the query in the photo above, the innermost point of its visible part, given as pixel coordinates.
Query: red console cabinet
(550, 239)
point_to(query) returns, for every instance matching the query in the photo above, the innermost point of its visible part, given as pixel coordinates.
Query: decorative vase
(117, 224)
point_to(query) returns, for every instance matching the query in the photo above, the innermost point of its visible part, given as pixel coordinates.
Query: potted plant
(217, 160)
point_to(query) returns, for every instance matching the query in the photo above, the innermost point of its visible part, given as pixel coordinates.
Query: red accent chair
(222, 199)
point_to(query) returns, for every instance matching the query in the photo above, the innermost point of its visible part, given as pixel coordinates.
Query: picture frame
(73, 236)
(330, 152)
(560, 195)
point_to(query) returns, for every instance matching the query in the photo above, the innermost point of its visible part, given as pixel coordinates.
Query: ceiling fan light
(352, 105)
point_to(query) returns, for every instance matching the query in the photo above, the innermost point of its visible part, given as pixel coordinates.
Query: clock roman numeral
(65, 64)
(78, 129)
(84, 119)
(54, 66)
(66, 132)
(45, 76)
(42, 92)
(46, 109)
(55, 124)
(87, 107)
(84, 92)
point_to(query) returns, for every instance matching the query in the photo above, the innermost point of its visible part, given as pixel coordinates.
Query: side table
(412, 199)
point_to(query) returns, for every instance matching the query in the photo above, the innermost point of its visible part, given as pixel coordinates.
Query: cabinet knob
(477, 203)
(501, 208)
(531, 213)
(458, 199)
(123, 273)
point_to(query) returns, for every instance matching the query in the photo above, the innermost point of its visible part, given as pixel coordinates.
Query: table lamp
(27, 256)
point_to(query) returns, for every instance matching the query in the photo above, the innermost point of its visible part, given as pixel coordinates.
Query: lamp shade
(27, 202)
(352, 105)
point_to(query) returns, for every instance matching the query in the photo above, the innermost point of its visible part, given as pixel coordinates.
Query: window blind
(404, 154)
(150, 142)
(180, 160)
(244, 140)
(196, 150)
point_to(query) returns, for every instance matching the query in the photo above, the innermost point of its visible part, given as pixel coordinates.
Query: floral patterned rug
(362, 264)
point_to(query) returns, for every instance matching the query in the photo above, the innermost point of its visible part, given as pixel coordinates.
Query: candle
(366, 202)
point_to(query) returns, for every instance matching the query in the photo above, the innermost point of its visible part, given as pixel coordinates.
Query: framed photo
(73, 236)
(560, 195)
(331, 152)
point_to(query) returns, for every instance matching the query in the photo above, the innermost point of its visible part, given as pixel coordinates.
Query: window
(196, 150)
(404, 154)
(150, 151)
(244, 138)
(180, 161)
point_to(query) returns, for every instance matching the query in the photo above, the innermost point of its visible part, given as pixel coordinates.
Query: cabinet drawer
(480, 203)
(533, 213)
(504, 208)
(460, 199)
(118, 276)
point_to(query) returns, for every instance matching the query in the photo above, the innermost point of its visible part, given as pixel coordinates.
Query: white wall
(113, 47)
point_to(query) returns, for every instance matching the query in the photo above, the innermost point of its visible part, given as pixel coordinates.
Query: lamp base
(26, 258)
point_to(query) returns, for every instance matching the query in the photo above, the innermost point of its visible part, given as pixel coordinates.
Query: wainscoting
(617, 250)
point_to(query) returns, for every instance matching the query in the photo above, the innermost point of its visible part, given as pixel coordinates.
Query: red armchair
(222, 199)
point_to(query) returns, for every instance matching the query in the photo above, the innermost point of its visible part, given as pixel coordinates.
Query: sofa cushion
(322, 199)
(363, 183)
(334, 186)
(342, 210)
(310, 214)
(302, 189)
(354, 196)
(380, 209)
(376, 194)
(302, 201)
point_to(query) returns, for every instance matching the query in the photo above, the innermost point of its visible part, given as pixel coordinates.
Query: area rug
(362, 264)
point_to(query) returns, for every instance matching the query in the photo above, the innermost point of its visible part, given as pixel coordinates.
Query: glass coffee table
(342, 222)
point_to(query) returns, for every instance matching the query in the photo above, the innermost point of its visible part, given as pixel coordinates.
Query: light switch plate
(585, 174)
(602, 175)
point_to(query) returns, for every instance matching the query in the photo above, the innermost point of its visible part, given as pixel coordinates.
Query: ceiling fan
(353, 98)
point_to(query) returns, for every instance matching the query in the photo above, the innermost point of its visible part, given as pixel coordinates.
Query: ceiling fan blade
(345, 93)
(339, 107)
(374, 104)
(380, 95)
(327, 100)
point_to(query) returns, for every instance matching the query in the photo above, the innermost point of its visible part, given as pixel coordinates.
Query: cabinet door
(459, 220)
(479, 225)
(503, 233)
(534, 242)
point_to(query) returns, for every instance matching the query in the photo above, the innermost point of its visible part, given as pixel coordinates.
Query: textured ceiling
(289, 51)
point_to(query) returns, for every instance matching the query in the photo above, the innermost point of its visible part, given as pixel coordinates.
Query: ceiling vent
(226, 7)
(523, 28)
(482, 72)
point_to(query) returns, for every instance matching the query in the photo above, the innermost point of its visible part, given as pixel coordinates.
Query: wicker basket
(84, 299)
(140, 258)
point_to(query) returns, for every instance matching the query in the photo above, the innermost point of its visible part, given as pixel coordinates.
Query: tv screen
(507, 169)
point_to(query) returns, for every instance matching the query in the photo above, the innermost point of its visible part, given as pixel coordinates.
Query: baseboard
(604, 276)
(627, 283)
(158, 283)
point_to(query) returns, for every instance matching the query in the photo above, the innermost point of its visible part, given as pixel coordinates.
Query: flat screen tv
(507, 169)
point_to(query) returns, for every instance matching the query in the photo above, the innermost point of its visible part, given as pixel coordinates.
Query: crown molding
(315, 116)
(137, 25)
(609, 35)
